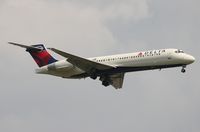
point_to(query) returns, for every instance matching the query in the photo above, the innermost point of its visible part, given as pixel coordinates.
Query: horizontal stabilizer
(27, 47)
(39, 53)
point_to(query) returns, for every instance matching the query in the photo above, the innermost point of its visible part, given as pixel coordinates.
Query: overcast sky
(150, 101)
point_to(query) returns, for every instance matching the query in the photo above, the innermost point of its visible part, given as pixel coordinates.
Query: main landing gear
(183, 69)
(105, 83)
(105, 80)
(94, 76)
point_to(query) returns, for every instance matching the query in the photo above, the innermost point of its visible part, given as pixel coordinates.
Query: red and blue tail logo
(42, 58)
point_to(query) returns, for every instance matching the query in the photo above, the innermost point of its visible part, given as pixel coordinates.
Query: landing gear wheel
(93, 74)
(93, 77)
(183, 70)
(105, 83)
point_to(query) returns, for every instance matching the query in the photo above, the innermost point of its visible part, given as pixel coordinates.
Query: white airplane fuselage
(138, 61)
(110, 69)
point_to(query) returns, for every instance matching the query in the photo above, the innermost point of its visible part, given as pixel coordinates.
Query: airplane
(109, 69)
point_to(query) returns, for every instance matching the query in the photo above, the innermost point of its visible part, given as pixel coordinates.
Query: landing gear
(183, 69)
(105, 83)
(94, 76)
(105, 80)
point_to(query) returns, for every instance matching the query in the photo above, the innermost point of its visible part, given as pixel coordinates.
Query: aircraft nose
(190, 59)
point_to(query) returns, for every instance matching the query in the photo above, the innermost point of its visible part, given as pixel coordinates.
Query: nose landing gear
(183, 69)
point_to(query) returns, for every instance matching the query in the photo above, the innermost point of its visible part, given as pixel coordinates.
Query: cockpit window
(179, 51)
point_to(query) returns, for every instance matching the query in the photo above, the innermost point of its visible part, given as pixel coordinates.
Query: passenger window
(179, 51)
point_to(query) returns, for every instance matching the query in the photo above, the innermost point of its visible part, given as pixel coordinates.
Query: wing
(85, 64)
(89, 66)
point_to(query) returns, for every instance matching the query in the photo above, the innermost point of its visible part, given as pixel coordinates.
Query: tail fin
(41, 57)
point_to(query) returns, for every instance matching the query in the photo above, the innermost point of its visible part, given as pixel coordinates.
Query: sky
(150, 101)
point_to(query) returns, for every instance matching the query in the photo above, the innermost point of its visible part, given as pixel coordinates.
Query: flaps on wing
(117, 80)
(82, 63)
(25, 46)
